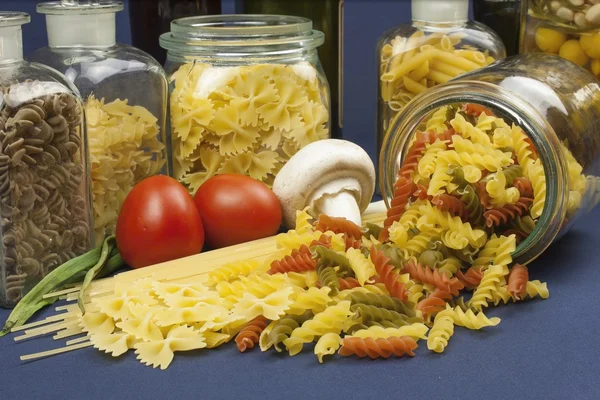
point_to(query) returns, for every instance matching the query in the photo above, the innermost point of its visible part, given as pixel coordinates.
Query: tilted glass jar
(555, 103)
(570, 29)
(440, 44)
(246, 93)
(125, 94)
(44, 191)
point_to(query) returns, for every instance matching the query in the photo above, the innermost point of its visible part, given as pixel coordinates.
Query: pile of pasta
(409, 66)
(124, 148)
(246, 119)
(329, 282)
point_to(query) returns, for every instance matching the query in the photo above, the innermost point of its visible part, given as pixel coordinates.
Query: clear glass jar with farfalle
(44, 193)
(246, 93)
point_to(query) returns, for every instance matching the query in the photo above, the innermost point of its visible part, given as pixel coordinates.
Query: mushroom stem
(342, 204)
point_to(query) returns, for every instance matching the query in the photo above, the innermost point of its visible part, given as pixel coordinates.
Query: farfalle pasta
(244, 119)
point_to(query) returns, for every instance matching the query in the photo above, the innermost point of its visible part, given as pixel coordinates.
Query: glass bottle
(440, 44)
(247, 92)
(557, 106)
(504, 17)
(151, 18)
(327, 17)
(569, 28)
(44, 193)
(125, 96)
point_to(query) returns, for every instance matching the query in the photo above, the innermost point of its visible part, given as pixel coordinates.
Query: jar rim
(406, 123)
(13, 18)
(80, 7)
(241, 30)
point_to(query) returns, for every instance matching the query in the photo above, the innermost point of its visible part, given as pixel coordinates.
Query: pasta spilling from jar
(125, 147)
(246, 119)
(45, 216)
(411, 65)
(472, 171)
(330, 283)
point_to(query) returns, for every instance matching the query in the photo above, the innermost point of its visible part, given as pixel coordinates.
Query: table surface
(543, 349)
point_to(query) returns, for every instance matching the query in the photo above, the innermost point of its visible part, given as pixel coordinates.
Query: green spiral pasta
(381, 301)
(283, 328)
(377, 314)
(469, 196)
(328, 277)
(332, 258)
(511, 173)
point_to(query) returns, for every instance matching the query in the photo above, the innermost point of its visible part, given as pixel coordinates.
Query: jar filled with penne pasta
(438, 45)
(44, 194)
(246, 93)
(569, 28)
(125, 97)
(511, 150)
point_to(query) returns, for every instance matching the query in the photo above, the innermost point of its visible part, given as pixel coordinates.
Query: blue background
(364, 22)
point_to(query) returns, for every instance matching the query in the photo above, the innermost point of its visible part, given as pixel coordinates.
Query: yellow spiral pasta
(493, 277)
(327, 345)
(314, 299)
(440, 333)
(303, 222)
(363, 267)
(330, 320)
(445, 220)
(231, 271)
(468, 318)
(415, 331)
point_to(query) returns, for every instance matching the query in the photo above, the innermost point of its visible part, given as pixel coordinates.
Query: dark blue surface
(544, 349)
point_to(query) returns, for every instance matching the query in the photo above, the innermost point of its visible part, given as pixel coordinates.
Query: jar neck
(11, 43)
(440, 11)
(508, 105)
(81, 30)
(186, 55)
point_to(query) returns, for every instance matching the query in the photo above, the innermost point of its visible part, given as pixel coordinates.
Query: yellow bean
(572, 51)
(549, 40)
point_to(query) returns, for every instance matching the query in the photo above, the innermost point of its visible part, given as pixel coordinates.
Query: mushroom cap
(312, 171)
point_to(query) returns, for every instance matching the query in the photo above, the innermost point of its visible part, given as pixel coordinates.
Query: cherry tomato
(158, 222)
(236, 208)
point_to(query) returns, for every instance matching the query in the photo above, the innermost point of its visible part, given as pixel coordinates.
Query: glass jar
(151, 18)
(504, 17)
(44, 193)
(440, 44)
(246, 93)
(125, 96)
(555, 103)
(569, 28)
(327, 17)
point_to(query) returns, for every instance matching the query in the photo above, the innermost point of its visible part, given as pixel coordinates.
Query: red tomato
(236, 209)
(158, 222)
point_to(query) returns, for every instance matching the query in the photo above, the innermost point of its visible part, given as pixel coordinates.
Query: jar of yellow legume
(527, 125)
(439, 44)
(569, 28)
(246, 93)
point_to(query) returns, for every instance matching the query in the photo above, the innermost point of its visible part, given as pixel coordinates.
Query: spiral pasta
(250, 334)
(378, 348)
(327, 344)
(441, 331)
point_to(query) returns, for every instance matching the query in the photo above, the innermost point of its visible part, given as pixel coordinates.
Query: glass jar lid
(252, 32)
(80, 7)
(11, 18)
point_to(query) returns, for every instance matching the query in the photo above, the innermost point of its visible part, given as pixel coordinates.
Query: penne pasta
(413, 86)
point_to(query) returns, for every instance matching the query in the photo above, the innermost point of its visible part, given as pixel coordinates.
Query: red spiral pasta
(348, 283)
(434, 303)
(517, 281)
(421, 193)
(338, 225)
(352, 243)
(476, 110)
(403, 189)
(447, 202)
(524, 186)
(298, 261)
(249, 335)
(471, 278)
(433, 277)
(532, 148)
(501, 215)
(378, 348)
(387, 275)
(484, 196)
(415, 152)
(519, 234)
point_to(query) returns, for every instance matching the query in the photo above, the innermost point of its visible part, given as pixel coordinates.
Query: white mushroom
(334, 177)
